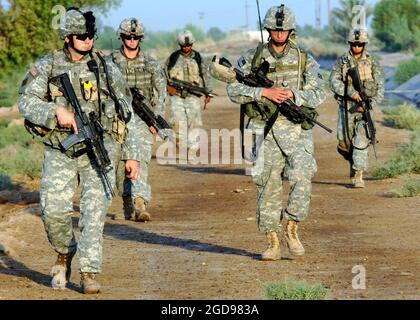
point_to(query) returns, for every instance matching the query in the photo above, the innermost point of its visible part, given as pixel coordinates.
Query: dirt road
(203, 242)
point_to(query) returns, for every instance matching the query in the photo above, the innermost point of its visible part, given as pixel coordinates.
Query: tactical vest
(91, 96)
(283, 75)
(173, 59)
(366, 71)
(138, 74)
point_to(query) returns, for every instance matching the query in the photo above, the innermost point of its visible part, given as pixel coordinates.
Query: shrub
(410, 189)
(406, 161)
(404, 116)
(407, 70)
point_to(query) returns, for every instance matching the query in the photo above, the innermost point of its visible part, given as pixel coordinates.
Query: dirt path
(203, 242)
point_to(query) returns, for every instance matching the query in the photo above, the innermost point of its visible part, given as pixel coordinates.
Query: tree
(26, 31)
(216, 34)
(343, 18)
(397, 24)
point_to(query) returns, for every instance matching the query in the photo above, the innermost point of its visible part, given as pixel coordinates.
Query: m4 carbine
(366, 105)
(192, 89)
(258, 78)
(148, 116)
(90, 133)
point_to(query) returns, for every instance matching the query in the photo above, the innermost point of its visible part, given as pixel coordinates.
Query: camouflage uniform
(288, 149)
(356, 143)
(186, 115)
(143, 73)
(61, 173)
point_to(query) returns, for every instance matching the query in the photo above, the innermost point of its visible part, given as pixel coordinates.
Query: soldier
(50, 115)
(143, 72)
(187, 65)
(288, 148)
(353, 142)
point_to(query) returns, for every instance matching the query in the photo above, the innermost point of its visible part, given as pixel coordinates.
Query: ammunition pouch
(371, 88)
(36, 130)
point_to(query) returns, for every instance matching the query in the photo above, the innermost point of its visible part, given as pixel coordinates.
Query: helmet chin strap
(83, 53)
(129, 48)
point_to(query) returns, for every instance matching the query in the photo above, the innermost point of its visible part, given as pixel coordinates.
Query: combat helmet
(280, 18)
(358, 35)
(131, 27)
(185, 38)
(77, 22)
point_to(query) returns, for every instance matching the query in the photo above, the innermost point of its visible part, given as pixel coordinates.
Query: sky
(166, 15)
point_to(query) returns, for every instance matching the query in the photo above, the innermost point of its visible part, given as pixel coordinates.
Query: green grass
(19, 155)
(404, 116)
(405, 162)
(9, 88)
(294, 290)
(410, 189)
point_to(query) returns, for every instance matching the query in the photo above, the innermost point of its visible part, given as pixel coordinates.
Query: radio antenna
(259, 17)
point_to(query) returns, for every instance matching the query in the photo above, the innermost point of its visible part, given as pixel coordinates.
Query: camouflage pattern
(358, 35)
(73, 23)
(186, 119)
(131, 27)
(143, 73)
(186, 114)
(271, 21)
(38, 103)
(185, 38)
(373, 79)
(288, 149)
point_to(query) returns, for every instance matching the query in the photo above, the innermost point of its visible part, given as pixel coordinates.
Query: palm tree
(342, 18)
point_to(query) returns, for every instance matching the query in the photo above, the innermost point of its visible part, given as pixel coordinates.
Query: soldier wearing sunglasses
(102, 93)
(143, 72)
(353, 141)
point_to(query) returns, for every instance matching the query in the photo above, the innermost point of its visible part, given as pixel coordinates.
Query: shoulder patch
(241, 62)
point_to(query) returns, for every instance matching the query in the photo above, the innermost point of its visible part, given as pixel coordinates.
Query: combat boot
(61, 271)
(293, 243)
(88, 283)
(141, 211)
(358, 182)
(273, 251)
(128, 207)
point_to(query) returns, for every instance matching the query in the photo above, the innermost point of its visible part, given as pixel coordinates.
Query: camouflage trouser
(186, 119)
(140, 187)
(358, 139)
(59, 183)
(300, 168)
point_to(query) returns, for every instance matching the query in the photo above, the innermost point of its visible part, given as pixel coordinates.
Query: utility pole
(201, 16)
(246, 15)
(329, 13)
(318, 22)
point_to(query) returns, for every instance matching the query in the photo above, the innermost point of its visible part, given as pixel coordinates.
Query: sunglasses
(357, 44)
(136, 38)
(187, 46)
(83, 37)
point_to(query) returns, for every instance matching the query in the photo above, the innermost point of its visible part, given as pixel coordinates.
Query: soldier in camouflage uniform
(351, 134)
(143, 72)
(288, 148)
(50, 115)
(187, 65)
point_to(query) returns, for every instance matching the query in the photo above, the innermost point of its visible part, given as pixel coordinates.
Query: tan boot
(89, 284)
(61, 271)
(358, 182)
(293, 243)
(141, 211)
(273, 251)
(128, 207)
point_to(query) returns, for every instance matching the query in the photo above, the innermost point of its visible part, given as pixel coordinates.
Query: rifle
(367, 107)
(148, 116)
(258, 78)
(90, 133)
(180, 86)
